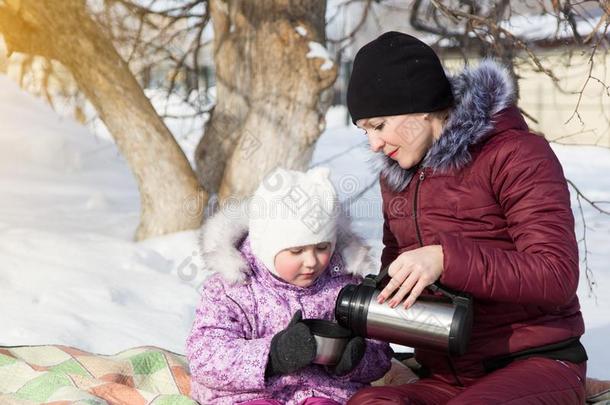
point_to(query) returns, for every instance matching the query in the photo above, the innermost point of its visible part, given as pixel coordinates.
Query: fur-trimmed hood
(222, 233)
(480, 93)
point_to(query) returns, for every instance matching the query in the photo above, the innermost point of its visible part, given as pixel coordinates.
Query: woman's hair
(442, 115)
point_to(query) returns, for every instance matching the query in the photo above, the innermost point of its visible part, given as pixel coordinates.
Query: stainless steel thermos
(432, 322)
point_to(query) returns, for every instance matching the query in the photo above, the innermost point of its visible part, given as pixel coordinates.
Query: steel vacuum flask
(432, 322)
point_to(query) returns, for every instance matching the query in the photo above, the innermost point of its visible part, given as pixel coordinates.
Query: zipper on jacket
(422, 176)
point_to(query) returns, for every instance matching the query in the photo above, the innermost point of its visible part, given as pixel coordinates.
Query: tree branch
(20, 36)
(594, 204)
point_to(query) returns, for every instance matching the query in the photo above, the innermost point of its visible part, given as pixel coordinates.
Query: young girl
(284, 261)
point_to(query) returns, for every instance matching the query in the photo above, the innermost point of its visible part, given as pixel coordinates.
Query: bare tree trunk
(271, 98)
(171, 197)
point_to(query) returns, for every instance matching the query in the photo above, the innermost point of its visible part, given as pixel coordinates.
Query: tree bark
(171, 198)
(271, 97)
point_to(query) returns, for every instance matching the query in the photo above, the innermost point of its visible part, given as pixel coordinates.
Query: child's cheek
(324, 259)
(288, 267)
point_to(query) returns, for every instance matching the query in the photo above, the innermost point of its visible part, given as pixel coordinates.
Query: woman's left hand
(410, 273)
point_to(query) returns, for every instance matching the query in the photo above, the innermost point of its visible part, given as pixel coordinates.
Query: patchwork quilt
(61, 375)
(147, 375)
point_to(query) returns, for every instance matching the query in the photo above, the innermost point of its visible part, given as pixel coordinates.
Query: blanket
(598, 392)
(59, 375)
(147, 375)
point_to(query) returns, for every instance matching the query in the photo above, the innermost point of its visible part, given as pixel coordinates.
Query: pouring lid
(461, 325)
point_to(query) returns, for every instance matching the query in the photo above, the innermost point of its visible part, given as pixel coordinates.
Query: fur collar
(220, 236)
(480, 93)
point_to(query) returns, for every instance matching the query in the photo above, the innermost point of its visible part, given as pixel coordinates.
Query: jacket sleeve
(528, 182)
(220, 351)
(374, 364)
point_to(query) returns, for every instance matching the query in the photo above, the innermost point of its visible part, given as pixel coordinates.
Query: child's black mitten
(352, 354)
(292, 348)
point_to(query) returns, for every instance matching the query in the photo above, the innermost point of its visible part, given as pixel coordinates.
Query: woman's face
(405, 138)
(303, 265)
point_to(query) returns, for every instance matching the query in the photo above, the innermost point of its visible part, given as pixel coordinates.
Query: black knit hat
(396, 74)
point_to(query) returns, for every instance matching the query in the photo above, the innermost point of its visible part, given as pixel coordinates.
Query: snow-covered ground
(71, 274)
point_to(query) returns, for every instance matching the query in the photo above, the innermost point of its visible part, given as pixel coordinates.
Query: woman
(475, 201)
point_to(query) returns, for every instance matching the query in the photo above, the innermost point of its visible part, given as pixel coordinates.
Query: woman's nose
(376, 143)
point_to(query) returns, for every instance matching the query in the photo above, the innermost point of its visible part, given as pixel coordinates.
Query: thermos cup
(331, 340)
(433, 322)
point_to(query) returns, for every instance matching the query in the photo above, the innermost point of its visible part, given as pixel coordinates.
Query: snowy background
(71, 274)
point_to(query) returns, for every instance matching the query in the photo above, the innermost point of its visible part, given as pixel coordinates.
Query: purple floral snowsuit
(234, 323)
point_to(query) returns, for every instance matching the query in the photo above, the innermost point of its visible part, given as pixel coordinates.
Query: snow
(301, 30)
(71, 273)
(182, 118)
(539, 27)
(533, 28)
(317, 50)
(530, 28)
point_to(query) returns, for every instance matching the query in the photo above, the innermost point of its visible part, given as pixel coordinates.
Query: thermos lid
(342, 304)
(351, 307)
(461, 325)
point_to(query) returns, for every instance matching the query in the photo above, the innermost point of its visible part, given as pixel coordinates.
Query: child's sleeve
(374, 364)
(220, 352)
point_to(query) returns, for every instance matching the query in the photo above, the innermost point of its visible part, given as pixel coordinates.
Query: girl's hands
(292, 348)
(410, 273)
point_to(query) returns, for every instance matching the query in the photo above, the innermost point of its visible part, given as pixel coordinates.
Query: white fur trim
(218, 237)
(221, 233)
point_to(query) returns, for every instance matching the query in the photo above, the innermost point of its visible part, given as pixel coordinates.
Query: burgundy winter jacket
(494, 196)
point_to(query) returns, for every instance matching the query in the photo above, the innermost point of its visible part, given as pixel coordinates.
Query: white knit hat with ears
(292, 208)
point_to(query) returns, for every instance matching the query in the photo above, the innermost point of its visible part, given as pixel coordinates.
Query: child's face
(302, 265)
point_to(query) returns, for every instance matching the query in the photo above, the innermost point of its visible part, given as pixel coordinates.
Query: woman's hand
(410, 273)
